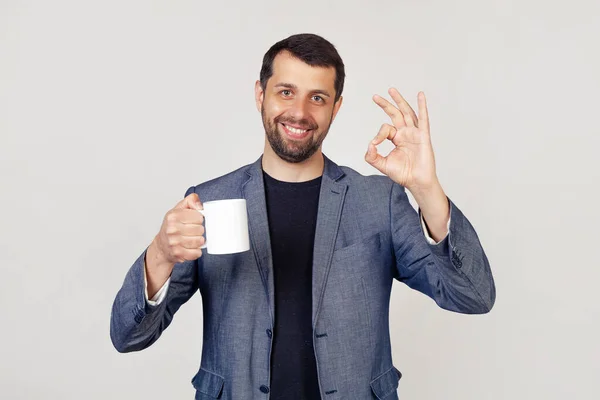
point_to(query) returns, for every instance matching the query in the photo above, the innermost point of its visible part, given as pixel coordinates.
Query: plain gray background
(110, 110)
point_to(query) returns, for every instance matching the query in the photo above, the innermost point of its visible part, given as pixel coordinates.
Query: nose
(299, 110)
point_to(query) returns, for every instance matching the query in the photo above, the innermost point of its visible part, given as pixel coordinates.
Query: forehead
(289, 69)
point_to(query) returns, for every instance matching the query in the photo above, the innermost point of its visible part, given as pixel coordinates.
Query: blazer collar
(330, 169)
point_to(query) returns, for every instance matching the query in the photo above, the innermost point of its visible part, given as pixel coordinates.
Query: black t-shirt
(292, 214)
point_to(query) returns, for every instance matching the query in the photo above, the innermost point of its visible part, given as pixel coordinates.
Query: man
(305, 313)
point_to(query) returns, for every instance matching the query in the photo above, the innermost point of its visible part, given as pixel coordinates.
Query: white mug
(226, 226)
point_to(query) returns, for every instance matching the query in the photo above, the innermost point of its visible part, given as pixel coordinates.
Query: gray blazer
(367, 234)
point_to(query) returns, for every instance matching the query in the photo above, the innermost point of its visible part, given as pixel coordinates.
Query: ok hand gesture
(411, 163)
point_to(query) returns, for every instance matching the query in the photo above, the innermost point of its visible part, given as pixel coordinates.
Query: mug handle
(203, 212)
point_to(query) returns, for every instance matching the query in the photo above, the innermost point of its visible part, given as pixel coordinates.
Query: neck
(285, 171)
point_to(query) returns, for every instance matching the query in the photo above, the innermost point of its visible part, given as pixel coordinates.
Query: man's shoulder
(366, 182)
(240, 174)
(227, 185)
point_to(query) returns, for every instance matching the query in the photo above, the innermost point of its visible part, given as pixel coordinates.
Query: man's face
(297, 107)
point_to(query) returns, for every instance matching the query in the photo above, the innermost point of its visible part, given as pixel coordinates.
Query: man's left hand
(411, 163)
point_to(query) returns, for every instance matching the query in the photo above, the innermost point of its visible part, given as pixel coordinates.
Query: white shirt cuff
(160, 295)
(426, 232)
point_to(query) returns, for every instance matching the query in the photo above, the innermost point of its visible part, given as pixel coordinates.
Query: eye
(318, 99)
(286, 92)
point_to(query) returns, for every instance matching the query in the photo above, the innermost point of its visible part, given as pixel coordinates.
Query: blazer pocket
(385, 385)
(368, 245)
(208, 383)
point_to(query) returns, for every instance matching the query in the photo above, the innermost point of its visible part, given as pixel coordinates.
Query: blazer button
(269, 333)
(264, 389)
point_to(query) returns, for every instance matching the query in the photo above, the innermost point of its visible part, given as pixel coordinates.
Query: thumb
(375, 159)
(191, 201)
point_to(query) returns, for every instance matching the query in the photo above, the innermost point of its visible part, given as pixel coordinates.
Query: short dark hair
(310, 48)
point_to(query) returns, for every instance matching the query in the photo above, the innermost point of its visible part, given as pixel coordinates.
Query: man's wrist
(155, 258)
(435, 209)
(158, 269)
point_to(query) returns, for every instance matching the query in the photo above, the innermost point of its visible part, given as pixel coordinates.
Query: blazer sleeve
(134, 323)
(455, 272)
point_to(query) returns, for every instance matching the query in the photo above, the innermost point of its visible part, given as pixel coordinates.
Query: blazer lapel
(331, 200)
(258, 224)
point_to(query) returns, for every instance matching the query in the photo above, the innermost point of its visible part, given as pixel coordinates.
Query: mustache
(302, 123)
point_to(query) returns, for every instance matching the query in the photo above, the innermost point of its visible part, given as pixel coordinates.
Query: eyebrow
(292, 86)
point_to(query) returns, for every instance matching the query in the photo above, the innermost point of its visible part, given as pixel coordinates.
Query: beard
(289, 150)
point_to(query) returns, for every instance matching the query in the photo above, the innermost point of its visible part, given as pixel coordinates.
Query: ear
(336, 107)
(259, 95)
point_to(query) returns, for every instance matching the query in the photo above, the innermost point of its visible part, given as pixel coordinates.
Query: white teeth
(296, 131)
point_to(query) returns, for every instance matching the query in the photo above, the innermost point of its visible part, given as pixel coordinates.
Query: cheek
(323, 118)
(274, 108)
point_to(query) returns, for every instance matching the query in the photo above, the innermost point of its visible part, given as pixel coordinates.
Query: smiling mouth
(295, 132)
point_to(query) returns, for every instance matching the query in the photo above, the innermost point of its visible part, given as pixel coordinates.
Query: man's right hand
(179, 240)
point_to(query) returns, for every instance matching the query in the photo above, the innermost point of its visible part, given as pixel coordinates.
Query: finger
(190, 229)
(423, 113)
(390, 110)
(177, 228)
(407, 112)
(192, 242)
(374, 158)
(191, 201)
(184, 254)
(190, 217)
(386, 131)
